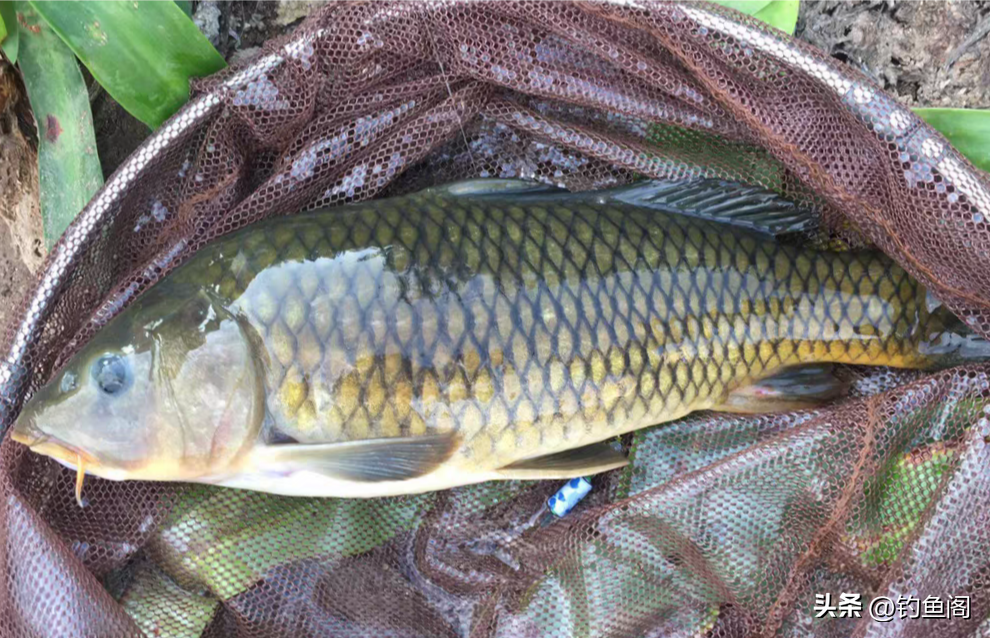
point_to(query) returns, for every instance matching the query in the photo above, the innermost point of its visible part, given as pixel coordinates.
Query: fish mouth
(64, 453)
(53, 447)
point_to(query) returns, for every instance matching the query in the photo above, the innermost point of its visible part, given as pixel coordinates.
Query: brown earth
(21, 243)
(929, 53)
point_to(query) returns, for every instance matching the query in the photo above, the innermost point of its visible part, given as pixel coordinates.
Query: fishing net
(722, 526)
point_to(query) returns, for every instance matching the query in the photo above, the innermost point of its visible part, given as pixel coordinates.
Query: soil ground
(929, 53)
(21, 245)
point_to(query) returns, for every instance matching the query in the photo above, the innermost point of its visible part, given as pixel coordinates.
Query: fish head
(170, 389)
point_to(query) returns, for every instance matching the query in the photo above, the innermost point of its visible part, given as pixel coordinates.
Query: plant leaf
(10, 36)
(897, 499)
(226, 540)
(142, 53)
(749, 7)
(967, 129)
(68, 165)
(150, 591)
(782, 14)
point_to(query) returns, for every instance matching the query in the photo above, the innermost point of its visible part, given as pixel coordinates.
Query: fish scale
(534, 326)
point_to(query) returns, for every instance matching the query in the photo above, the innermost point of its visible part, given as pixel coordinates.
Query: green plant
(9, 35)
(142, 53)
(68, 166)
(781, 14)
(967, 129)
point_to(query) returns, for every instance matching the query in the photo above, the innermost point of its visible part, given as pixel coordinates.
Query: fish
(484, 330)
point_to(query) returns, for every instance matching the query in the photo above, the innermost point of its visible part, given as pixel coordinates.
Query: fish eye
(69, 382)
(197, 312)
(110, 372)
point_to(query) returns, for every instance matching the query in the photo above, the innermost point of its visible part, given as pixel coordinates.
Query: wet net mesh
(722, 525)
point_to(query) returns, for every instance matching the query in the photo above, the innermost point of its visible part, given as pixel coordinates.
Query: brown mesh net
(722, 525)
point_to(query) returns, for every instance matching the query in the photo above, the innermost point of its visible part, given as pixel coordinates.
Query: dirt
(917, 51)
(924, 53)
(290, 11)
(21, 244)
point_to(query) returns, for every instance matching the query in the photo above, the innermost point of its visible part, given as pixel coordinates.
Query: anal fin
(369, 460)
(582, 461)
(794, 388)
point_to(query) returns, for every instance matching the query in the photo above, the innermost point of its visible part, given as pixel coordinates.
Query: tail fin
(949, 341)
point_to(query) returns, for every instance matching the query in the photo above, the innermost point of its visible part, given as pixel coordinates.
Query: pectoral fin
(370, 460)
(793, 389)
(582, 461)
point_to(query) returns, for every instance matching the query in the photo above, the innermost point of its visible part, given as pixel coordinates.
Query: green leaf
(67, 161)
(160, 607)
(226, 540)
(142, 53)
(9, 32)
(896, 500)
(749, 7)
(782, 14)
(967, 129)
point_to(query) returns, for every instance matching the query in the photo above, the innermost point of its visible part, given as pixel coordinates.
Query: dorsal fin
(715, 200)
(500, 187)
(721, 201)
